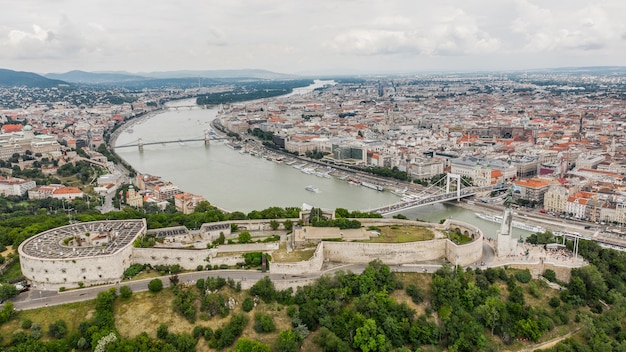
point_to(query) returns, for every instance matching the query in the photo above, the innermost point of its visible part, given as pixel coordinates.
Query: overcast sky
(314, 36)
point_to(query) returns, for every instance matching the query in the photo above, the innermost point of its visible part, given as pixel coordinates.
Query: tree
(274, 225)
(7, 291)
(264, 288)
(288, 341)
(155, 285)
(288, 224)
(58, 329)
(550, 275)
(247, 345)
(7, 312)
(247, 304)
(202, 207)
(491, 312)
(244, 237)
(263, 323)
(328, 341)
(593, 282)
(221, 239)
(368, 338)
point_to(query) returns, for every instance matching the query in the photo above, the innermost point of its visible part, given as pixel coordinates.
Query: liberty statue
(509, 197)
(505, 243)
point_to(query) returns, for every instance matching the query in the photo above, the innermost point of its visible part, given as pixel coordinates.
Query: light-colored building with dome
(21, 141)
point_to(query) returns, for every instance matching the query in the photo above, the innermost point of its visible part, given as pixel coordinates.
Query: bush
(208, 333)
(155, 285)
(264, 323)
(162, 331)
(328, 341)
(523, 276)
(35, 331)
(417, 296)
(126, 292)
(58, 329)
(245, 345)
(550, 275)
(230, 332)
(247, 304)
(554, 302)
(26, 324)
(200, 285)
(288, 341)
(533, 289)
(133, 270)
(197, 332)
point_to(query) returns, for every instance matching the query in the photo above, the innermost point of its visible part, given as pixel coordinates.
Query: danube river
(233, 180)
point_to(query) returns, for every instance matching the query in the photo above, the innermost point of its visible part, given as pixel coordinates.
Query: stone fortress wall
(393, 253)
(48, 263)
(71, 269)
(189, 259)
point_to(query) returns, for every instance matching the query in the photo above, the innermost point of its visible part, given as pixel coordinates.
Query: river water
(233, 181)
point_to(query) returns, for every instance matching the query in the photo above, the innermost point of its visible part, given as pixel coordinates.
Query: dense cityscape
(557, 137)
(553, 142)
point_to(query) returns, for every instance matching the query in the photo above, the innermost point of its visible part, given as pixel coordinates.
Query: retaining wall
(313, 265)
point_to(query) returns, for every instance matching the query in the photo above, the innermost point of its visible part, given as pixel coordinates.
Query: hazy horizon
(308, 38)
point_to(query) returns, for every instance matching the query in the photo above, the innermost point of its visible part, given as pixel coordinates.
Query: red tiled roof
(8, 128)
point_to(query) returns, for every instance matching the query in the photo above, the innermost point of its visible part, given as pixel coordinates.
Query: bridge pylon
(206, 137)
(456, 178)
(140, 144)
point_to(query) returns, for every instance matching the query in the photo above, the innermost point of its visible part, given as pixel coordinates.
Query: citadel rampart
(90, 253)
(49, 261)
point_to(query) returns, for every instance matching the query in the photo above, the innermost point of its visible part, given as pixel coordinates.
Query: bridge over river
(454, 190)
(140, 143)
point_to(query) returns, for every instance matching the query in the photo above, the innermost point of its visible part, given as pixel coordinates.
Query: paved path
(40, 298)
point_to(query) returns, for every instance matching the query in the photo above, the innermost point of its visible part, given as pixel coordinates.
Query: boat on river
(373, 186)
(312, 188)
(516, 224)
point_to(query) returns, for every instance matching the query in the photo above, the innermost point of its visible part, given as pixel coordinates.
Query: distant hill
(77, 76)
(247, 73)
(10, 78)
(180, 79)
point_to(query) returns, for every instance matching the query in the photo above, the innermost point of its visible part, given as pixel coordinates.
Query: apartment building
(15, 186)
(532, 190)
(555, 199)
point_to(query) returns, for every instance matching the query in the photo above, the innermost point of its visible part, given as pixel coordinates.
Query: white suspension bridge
(454, 188)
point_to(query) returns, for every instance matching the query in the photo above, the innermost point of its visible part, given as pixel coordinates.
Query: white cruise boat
(312, 188)
(516, 224)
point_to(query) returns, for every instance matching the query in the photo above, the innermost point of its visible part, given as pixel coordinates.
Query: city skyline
(322, 37)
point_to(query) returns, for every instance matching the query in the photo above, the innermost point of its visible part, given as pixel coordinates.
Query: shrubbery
(263, 323)
(155, 285)
(248, 304)
(416, 294)
(523, 276)
(226, 336)
(126, 292)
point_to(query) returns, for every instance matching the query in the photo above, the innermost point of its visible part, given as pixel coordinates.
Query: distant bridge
(181, 107)
(140, 143)
(434, 194)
